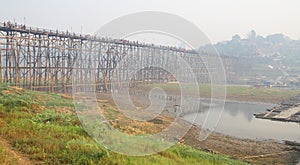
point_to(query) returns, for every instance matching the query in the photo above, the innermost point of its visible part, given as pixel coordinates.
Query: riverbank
(233, 92)
(252, 151)
(42, 128)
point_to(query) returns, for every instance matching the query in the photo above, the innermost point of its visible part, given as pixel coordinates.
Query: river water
(238, 120)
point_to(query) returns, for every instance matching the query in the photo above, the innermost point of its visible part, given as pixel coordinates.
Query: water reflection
(246, 109)
(238, 120)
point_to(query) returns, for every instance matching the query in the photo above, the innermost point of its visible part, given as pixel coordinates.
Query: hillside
(41, 128)
(273, 59)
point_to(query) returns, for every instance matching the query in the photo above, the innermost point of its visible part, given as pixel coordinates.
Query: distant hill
(256, 45)
(274, 58)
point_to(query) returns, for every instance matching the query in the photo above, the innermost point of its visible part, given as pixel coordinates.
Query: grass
(36, 124)
(6, 158)
(233, 92)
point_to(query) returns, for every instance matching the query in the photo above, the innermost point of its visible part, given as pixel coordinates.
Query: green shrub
(52, 117)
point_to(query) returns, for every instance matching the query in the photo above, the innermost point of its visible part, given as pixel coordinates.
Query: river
(238, 120)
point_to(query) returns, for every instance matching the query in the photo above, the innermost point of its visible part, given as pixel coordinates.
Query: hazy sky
(218, 19)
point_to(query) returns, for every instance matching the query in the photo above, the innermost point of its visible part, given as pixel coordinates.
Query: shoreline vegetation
(243, 93)
(42, 128)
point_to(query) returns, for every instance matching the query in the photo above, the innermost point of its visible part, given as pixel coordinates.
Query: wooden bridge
(42, 59)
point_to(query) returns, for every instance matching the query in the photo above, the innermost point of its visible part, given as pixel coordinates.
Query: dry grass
(34, 127)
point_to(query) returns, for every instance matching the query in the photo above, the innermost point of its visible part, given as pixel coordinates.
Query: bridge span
(42, 59)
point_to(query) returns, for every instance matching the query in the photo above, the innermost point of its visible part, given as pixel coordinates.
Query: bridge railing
(23, 28)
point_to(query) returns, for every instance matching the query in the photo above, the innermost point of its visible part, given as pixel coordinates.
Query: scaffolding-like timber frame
(40, 59)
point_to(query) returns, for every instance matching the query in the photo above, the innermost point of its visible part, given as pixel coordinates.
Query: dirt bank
(252, 151)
